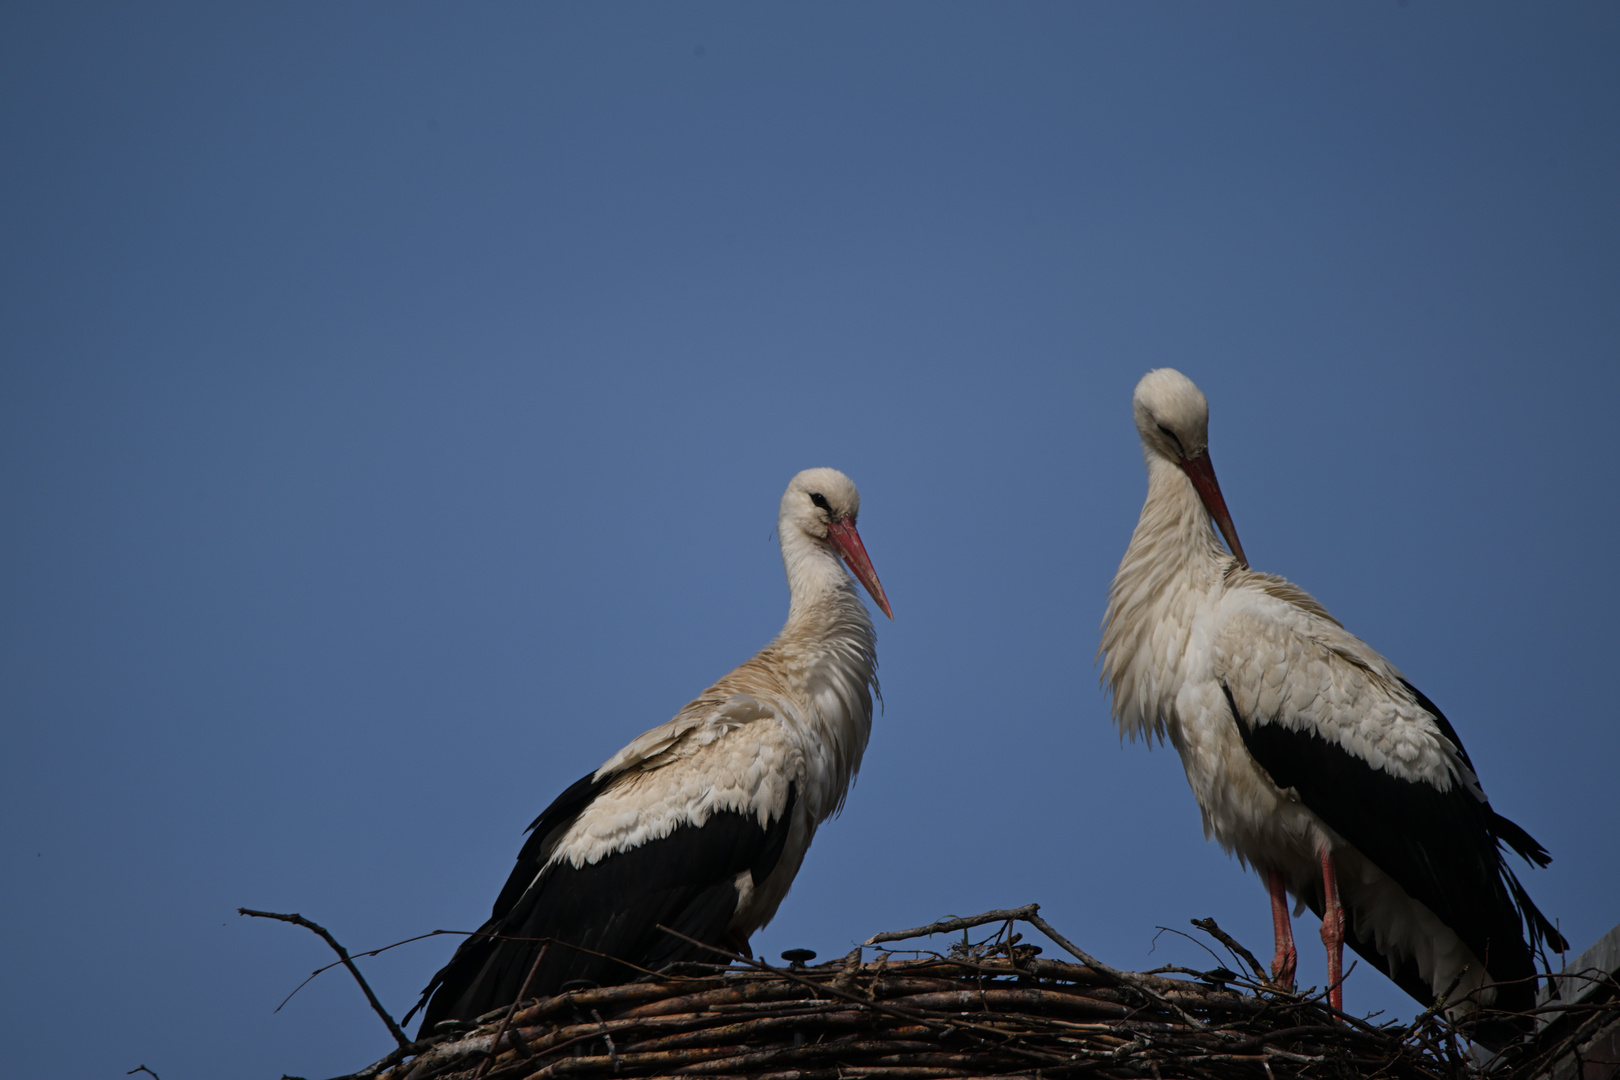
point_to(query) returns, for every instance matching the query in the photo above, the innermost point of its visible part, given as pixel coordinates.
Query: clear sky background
(396, 399)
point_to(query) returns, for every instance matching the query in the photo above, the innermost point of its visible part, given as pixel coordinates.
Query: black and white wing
(674, 831)
(1383, 768)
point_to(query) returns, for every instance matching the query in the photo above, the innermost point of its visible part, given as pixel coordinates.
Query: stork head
(822, 504)
(1172, 417)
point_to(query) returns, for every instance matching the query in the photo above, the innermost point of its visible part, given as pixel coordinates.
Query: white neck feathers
(1174, 560)
(819, 673)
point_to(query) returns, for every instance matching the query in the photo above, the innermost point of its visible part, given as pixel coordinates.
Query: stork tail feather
(1529, 849)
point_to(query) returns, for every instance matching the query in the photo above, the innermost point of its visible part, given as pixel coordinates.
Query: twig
(1209, 927)
(1125, 977)
(370, 952)
(299, 920)
(1213, 955)
(1438, 1003)
(144, 1069)
(607, 1037)
(946, 926)
(1030, 913)
(495, 1046)
(781, 973)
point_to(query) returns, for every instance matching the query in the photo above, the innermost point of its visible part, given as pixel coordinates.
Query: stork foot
(1284, 965)
(738, 943)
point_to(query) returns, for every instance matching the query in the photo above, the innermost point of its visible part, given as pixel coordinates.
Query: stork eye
(820, 500)
(1173, 439)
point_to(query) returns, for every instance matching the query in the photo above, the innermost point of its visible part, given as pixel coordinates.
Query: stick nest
(989, 1009)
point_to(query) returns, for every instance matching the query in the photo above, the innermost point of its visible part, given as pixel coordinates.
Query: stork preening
(700, 824)
(1311, 757)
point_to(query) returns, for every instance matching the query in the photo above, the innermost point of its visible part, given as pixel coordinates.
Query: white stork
(701, 823)
(1311, 757)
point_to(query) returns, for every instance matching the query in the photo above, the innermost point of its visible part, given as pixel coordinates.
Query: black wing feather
(602, 918)
(1528, 848)
(1442, 847)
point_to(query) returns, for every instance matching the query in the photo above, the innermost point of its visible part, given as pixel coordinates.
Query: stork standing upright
(1311, 757)
(700, 824)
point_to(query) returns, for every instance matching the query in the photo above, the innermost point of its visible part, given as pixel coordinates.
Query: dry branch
(950, 926)
(343, 955)
(1209, 927)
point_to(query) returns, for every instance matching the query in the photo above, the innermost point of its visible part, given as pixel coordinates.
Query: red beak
(1201, 471)
(848, 542)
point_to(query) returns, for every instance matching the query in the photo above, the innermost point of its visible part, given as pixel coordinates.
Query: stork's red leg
(1282, 929)
(1333, 931)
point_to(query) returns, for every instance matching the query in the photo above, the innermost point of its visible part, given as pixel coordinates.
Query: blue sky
(395, 399)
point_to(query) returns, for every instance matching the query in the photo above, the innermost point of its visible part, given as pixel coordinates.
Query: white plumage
(701, 823)
(1310, 755)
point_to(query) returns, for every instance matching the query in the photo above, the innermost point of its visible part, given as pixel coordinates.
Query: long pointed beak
(848, 543)
(1201, 471)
